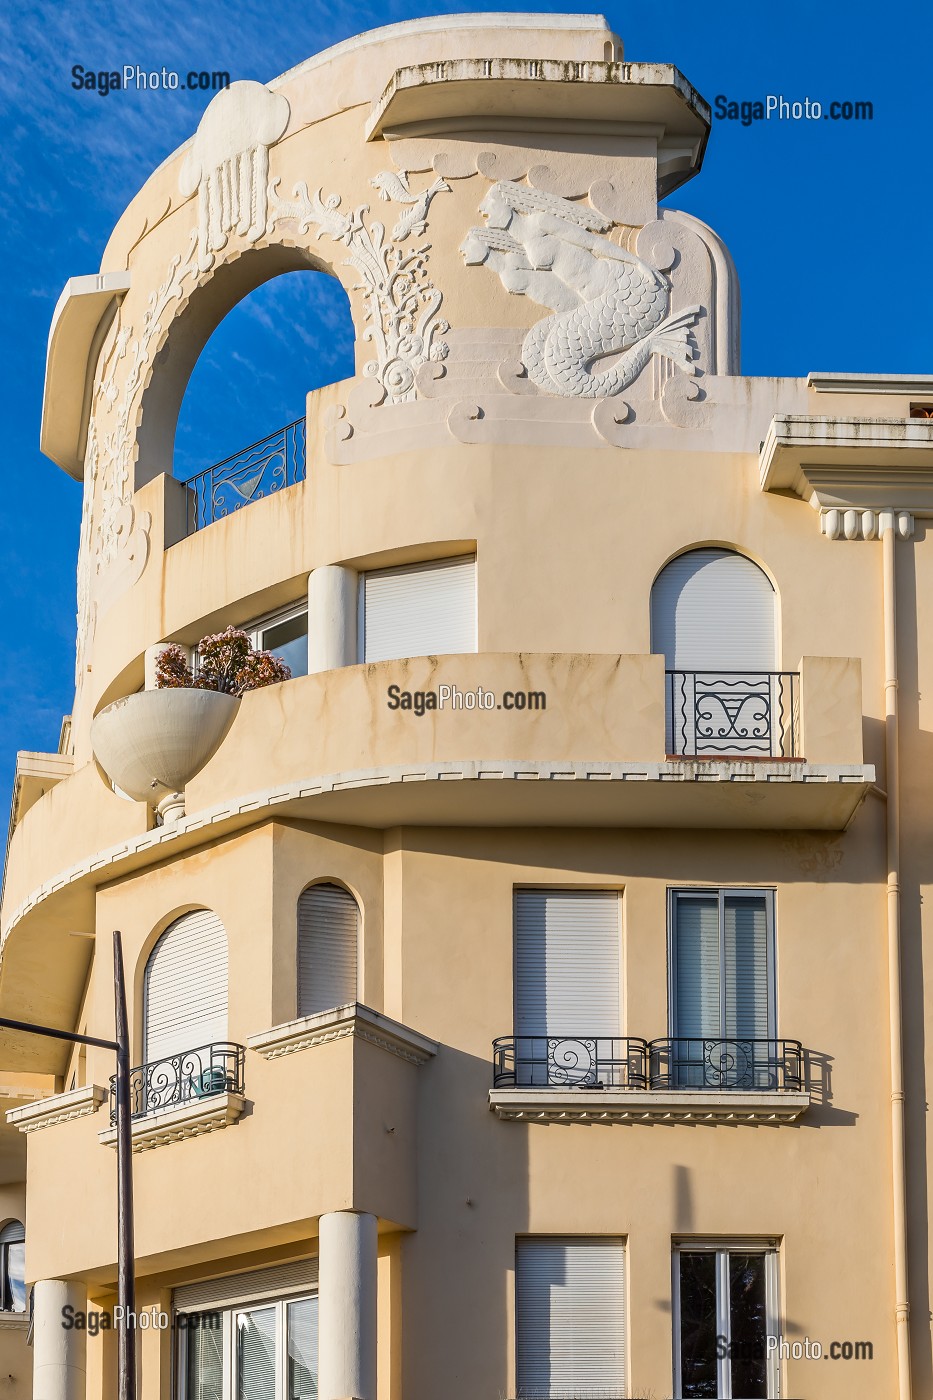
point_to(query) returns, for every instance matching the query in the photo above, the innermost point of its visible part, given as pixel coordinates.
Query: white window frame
(722, 1248)
(722, 892)
(257, 626)
(229, 1313)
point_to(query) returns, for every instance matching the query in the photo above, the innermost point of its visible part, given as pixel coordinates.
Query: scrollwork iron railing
(751, 713)
(249, 475)
(569, 1061)
(604, 1062)
(182, 1078)
(694, 1062)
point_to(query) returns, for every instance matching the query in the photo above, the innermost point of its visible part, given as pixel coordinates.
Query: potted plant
(151, 744)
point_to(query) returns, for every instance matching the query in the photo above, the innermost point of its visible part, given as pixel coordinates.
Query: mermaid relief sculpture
(606, 301)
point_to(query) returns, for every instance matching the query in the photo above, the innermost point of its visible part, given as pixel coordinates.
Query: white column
(59, 1362)
(332, 605)
(347, 1293)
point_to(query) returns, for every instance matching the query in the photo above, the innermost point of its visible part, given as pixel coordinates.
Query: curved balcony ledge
(690, 1106)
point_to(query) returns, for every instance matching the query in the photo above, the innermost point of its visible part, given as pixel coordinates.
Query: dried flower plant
(226, 662)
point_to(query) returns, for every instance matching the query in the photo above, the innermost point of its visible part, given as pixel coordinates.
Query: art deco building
(528, 996)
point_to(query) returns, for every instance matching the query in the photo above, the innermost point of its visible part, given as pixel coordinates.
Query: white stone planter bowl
(151, 744)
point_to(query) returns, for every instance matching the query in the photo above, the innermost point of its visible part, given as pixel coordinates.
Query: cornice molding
(192, 1119)
(855, 467)
(61, 1108)
(351, 1020)
(690, 1106)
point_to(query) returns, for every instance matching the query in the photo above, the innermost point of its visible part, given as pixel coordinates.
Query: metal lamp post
(126, 1263)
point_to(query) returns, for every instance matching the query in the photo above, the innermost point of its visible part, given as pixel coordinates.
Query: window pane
(256, 1355)
(698, 1339)
(747, 973)
(302, 1349)
(289, 640)
(749, 1325)
(205, 1369)
(16, 1277)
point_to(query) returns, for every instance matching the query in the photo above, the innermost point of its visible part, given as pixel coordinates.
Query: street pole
(126, 1261)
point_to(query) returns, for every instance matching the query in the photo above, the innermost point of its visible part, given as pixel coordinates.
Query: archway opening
(292, 334)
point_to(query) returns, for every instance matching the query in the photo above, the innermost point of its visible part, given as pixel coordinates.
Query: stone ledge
(647, 1106)
(188, 1120)
(353, 1019)
(15, 1322)
(61, 1108)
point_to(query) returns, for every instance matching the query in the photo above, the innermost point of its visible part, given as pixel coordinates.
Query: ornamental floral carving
(401, 302)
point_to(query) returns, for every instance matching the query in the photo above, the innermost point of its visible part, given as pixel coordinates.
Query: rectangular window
(570, 1318)
(566, 987)
(722, 989)
(262, 1352)
(418, 610)
(725, 1308)
(285, 634)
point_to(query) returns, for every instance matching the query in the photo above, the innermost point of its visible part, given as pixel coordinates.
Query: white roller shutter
(328, 939)
(12, 1233)
(713, 609)
(419, 610)
(570, 1318)
(253, 1287)
(566, 962)
(185, 994)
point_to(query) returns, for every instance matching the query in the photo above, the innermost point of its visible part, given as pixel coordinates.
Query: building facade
(527, 997)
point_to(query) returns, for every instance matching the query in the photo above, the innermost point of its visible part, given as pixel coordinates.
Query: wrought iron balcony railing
(628, 1062)
(700, 1063)
(568, 1061)
(752, 713)
(249, 475)
(182, 1078)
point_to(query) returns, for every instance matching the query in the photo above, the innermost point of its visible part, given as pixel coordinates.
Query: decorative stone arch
(196, 318)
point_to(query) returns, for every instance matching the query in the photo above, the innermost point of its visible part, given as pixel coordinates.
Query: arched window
(328, 940)
(185, 992)
(714, 618)
(13, 1267)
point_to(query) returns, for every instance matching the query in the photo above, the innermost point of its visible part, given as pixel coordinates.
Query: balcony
(249, 475)
(183, 1095)
(628, 1079)
(747, 714)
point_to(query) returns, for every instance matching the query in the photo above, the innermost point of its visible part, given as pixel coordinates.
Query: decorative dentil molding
(401, 302)
(60, 1108)
(352, 1021)
(188, 1120)
(692, 1106)
(851, 524)
(228, 165)
(606, 300)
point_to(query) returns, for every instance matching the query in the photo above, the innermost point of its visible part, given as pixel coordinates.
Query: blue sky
(829, 224)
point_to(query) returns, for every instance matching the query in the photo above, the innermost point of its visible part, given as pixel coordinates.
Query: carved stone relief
(401, 302)
(228, 165)
(606, 300)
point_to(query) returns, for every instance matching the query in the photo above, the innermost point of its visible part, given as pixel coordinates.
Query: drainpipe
(899, 1173)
